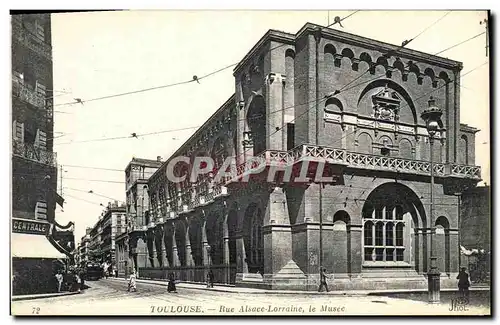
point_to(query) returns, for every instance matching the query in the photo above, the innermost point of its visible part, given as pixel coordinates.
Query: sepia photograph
(250, 163)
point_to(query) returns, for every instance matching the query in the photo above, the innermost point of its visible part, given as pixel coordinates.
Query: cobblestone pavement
(110, 297)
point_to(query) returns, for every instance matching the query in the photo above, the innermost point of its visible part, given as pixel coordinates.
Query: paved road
(110, 297)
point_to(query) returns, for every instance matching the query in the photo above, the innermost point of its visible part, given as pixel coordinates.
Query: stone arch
(254, 237)
(390, 212)
(406, 149)
(215, 237)
(341, 242)
(398, 64)
(365, 57)
(444, 76)
(196, 239)
(330, 49)
(381, 60)
(347, 53)
(442, 243)
(380, 83)
(232, 233)
(463, 155)
(333, 105)
(256, 119)
(430, 73)
(180, 240)
(364, 143)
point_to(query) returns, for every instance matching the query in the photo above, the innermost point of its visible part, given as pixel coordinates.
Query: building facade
(100, 240)
(131, 247)
(34, 165)
(341, 115)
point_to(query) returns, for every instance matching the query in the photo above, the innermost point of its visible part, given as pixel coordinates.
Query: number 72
(36, 310)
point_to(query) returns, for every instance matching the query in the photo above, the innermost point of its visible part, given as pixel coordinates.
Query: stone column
(175, 255)
(454, 252)
(189, 257)
(277, 233)
(225, 248)
(275, 83)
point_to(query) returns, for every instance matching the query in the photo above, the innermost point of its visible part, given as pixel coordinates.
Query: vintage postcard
(250, 163)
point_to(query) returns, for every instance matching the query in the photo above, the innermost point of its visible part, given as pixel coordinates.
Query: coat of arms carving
(386, 105)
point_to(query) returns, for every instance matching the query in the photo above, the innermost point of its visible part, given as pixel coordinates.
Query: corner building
(322, 95)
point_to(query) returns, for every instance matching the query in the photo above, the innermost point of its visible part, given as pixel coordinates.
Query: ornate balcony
(29, 40)
(313, 153)
(32, 153)
(382, 163)
(27, 94)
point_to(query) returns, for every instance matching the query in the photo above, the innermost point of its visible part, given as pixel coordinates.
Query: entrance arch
(391, 214)
(254, 238)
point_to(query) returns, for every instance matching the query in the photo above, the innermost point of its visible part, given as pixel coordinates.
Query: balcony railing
(33, 153)
(356, 160)
(27, 94)
(30, 40)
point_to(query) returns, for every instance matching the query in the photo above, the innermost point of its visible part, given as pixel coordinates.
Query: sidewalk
(44, 295)
(233, 289)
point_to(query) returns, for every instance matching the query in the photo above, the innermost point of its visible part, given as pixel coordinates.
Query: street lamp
(432, 116)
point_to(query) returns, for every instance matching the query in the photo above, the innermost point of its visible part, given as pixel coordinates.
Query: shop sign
(33, 227)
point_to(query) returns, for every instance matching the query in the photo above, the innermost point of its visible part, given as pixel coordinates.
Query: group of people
(72, 280)
(132, 282)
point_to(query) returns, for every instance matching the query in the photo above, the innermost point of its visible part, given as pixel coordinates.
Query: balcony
(30, 152)
(334, 156)
(27, 94)
(29, 40)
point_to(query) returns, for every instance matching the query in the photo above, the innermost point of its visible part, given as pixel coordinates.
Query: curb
(286, 292)
(44, 295)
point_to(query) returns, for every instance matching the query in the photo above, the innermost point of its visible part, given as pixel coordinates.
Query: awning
(33, 246)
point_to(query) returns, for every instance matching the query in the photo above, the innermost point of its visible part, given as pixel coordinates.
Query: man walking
(463, 283)
(322, 280)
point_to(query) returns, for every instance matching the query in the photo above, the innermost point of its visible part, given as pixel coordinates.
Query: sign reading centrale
(30, 227)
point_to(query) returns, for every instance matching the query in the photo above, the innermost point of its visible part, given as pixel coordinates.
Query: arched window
(384, 234)
(254, 239)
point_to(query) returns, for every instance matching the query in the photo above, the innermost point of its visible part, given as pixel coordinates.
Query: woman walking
(171, 283)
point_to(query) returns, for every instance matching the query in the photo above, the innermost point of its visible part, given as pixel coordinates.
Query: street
(110, 297)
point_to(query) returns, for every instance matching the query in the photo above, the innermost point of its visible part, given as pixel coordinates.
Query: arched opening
(232, 229)
(254, 239)
(195, 239)
(256, 118)
(389, 214)
(442, 244)
(364, 143)
(348, 53)
(168, 241)
(341, 242)
(463, 153)
(215, 233)
(180, 240)
(333, 105)
(405, 149)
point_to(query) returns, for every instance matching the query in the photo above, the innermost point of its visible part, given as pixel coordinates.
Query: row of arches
(410, 66)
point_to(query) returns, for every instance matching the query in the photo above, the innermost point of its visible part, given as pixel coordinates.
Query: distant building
(34, 165)
(475, 218)
(131, 247)
(100, 239)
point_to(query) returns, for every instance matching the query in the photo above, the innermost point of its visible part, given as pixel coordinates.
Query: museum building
(344, 106)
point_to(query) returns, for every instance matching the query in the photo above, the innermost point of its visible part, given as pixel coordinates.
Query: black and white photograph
(250, 162)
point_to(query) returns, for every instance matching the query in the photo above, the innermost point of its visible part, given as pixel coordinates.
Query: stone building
(131, 245)
(102, 236)
(34, 165)
(342, 113)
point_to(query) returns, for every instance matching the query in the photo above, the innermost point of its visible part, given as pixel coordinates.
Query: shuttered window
(41, 139)
(18, 131)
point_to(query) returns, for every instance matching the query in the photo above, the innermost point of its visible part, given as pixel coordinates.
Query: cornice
(369, 43)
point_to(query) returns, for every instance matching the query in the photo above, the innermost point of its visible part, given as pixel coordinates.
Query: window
(385, 152)
(18, 131)
(384, 238)
(41, 140)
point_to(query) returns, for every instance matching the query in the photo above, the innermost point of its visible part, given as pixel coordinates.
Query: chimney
(158, 158)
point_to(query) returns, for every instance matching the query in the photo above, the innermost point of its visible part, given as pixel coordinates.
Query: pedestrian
(82, 280)
(210, 279)
(59, 278)
(78, 283)
(322, 280)
(171, 283)
(463, 283)
(132, 285)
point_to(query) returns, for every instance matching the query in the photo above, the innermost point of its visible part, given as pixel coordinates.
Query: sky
(106, 53)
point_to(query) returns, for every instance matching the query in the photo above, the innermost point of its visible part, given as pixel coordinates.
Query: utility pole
(485, 22)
